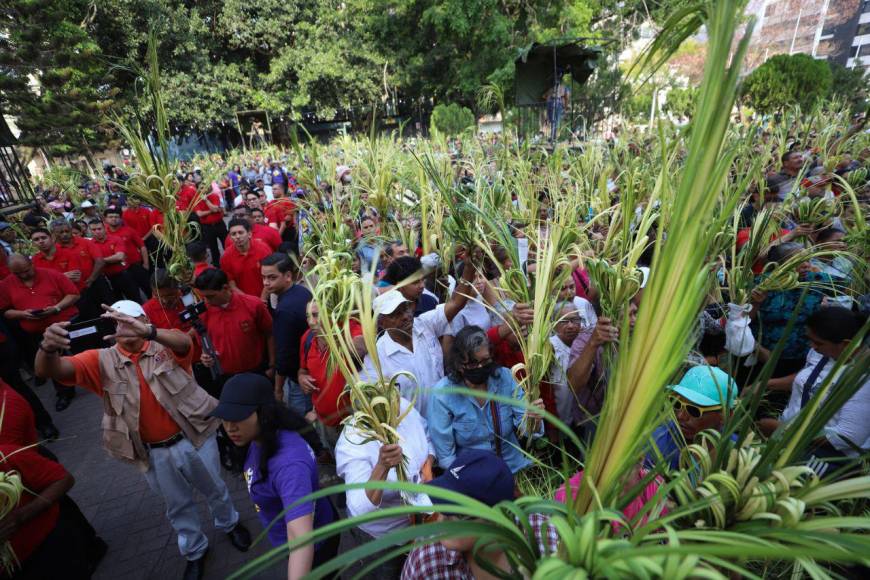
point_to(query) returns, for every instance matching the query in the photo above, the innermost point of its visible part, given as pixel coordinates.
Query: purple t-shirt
(292, 475)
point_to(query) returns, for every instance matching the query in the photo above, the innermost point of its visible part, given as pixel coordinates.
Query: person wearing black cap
(485, 477)
(280, 467)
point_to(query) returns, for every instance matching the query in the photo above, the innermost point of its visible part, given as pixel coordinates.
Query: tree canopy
(319, 57)
(786, 80)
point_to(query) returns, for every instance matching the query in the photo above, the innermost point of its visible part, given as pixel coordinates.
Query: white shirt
(849, 423)
(473, 314)
(566, 403)
(426, 362)
(354, 461)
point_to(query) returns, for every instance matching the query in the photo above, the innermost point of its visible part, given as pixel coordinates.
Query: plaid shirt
(435, 562)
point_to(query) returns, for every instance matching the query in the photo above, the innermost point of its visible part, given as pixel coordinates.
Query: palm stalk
(659, 341)
(155, 182)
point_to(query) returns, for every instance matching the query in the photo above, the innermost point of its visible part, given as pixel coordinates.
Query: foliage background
(309, 57)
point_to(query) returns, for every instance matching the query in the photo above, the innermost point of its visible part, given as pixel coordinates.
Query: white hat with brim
(87, 203)
(129, 308)
(387, 302)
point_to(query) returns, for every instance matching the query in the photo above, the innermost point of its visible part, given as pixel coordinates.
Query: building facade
(836, 30)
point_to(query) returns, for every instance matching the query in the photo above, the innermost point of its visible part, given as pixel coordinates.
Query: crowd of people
(228, 372)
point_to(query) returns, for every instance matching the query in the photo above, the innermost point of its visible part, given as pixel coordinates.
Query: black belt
(166, 442)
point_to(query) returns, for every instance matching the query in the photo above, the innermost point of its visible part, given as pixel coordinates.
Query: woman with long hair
(280, 467)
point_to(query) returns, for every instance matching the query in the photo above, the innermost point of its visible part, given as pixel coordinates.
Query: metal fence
(15, 189)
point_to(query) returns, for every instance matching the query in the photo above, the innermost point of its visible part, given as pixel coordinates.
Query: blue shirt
(289, 323)
(776, 310)
(459, 422)
(292, 474)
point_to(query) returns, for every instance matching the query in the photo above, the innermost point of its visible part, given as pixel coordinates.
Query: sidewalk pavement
(128, 515)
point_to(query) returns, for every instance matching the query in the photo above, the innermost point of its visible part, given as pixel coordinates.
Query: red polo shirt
(87, 253)
(265, 234)
(139, 219)
(62, 261)
(19, 424)
(215, 216)
(109, 247)
(326, 400)
(132, 242)
(49, 288)
(37, 473)
(244, 269)
(185, 197)
(239, 332)
(279, 210)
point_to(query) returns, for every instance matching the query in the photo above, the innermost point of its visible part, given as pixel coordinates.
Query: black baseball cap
(242, 395)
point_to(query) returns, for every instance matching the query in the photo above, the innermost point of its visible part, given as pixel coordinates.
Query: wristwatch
(152, 334)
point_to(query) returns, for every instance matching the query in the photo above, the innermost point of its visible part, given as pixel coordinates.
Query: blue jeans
(174, 473)
(296, 399)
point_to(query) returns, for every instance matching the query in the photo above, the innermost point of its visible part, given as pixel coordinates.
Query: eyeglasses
(694, 411)
(476, 364)
(575, 320)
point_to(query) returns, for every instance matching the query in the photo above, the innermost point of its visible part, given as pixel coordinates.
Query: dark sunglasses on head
(694, 411)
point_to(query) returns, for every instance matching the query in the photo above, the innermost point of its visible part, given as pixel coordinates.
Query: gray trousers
(174, 473)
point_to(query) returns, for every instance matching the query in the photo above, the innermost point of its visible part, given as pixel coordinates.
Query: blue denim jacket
(459, 422)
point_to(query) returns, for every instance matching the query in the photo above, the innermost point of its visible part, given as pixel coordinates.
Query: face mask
(477, 376)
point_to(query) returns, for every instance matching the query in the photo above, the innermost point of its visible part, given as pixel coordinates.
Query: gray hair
(465, 343)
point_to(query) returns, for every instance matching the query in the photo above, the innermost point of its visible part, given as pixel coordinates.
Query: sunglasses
(694, 411)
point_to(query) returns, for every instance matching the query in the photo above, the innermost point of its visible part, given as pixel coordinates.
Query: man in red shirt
(134, 248)
(211, 222)
(264, 233)
(115, 259)
(241, 261)
(281, 213)
(138, 217)
(239, 326)
(37, 298)
(50, 257)
(314, 378)
(93, 285)
(187, 194)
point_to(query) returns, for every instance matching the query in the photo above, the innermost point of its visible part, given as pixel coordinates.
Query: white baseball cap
(87, 203)
(129, 308)
(387, 302)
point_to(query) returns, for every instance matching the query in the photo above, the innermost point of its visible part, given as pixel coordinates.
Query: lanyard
(811, 381)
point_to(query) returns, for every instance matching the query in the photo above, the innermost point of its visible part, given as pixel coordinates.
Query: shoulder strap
(496, 426)
(811, 381)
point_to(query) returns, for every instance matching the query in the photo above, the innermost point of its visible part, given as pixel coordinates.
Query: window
(863, 29)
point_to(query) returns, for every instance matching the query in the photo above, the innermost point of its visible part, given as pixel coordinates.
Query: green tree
(680, 101)
(452, 119)
(785, 80)
(53, 77)
(849, 85)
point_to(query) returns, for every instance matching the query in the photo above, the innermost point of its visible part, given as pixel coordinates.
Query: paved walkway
(127, 514)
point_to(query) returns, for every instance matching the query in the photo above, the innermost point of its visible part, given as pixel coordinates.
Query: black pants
(70, 551)
(9, 372)
(141, 277)
(211, 235)
(98, 293)
(124, 286)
